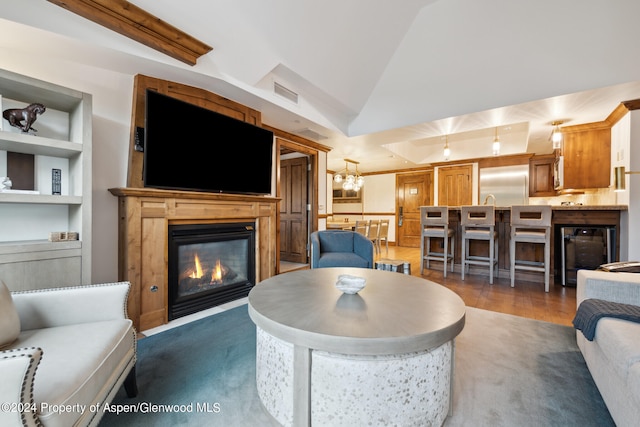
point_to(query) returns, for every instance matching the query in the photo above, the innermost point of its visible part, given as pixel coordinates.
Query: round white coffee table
(382, 356)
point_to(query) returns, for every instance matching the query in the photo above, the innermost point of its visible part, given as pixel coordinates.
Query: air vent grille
(311, 134)
(284, 92)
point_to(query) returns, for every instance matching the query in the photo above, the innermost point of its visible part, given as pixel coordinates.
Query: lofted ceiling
(380, 82)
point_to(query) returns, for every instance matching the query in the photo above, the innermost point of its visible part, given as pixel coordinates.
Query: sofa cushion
(78, 362)
(342, 259)
(618, 340)
(336, 241)
(9, 319)
(634, 381)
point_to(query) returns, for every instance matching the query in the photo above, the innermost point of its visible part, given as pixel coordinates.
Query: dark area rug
(510, 371)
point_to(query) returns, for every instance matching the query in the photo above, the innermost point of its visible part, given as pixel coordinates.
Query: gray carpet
(510, 371)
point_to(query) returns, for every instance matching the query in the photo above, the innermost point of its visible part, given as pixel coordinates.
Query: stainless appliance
(508, 184)
(558, 173)
(586, 248)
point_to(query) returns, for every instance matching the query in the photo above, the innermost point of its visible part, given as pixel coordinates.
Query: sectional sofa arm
(615, 287)
(67, 306)
(17, 370)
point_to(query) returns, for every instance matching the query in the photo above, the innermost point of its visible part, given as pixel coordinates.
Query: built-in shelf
(31, 144)
(63, 141)
(45, 199)
(30, 246)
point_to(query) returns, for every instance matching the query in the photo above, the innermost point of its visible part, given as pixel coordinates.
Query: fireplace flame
(197, 273)
(216, 275)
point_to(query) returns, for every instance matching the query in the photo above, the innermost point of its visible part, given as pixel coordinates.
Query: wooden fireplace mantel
(144, 217)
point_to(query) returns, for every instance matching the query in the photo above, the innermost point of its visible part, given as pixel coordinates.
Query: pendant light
(496, 144)
(447, 150)
(556, 135)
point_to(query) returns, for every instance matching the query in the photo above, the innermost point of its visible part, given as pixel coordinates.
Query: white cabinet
(28, 260)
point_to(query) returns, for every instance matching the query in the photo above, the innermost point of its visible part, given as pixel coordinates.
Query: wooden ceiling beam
(131, 21)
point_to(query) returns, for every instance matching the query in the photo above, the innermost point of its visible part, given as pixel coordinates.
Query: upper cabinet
(541, 179)
(58, 155)
(587, 156)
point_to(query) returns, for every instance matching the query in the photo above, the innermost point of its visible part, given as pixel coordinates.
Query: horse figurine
(29, 114)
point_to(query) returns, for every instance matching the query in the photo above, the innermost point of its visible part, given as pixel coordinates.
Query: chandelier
(349, 181)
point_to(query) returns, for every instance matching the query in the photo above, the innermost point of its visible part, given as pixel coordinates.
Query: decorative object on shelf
(496, 144)
(619, 179)
(350, 284)
(56, 182)
(556, 134)
(349, 181)
(62, 236)
(29, 114)
(5, 183)
(447, 151)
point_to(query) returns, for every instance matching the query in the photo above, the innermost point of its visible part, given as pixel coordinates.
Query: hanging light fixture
(447, 150)
(496, 144)
(556, 135)
(350, 181)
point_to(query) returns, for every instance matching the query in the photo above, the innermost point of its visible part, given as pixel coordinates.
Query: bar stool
(434, 223)
(530, 224)
(478, 223)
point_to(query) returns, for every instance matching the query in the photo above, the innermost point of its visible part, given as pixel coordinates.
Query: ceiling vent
(311, 134)
(285, 93)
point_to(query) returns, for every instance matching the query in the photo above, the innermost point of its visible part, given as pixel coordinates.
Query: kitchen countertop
(570, 207)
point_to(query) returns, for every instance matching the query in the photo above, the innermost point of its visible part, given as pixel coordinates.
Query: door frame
(312, 194)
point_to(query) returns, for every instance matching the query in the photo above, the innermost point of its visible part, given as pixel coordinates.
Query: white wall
(633, 187)
(378, 201)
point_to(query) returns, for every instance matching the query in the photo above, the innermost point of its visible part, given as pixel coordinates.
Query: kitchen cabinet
(60, 147)
(541, 176)
(587, 156)
(454, 185)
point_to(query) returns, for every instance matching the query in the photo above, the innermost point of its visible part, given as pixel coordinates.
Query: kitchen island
(563, 216)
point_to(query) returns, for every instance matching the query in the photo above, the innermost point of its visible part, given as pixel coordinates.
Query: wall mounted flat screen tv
(187, 147)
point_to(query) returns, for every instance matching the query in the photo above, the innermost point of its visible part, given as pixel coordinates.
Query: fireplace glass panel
(209, 264)
(205, 266)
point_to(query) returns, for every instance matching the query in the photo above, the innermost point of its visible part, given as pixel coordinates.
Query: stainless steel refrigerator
(508, 184)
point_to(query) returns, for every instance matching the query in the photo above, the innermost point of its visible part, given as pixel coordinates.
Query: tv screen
(187, 147)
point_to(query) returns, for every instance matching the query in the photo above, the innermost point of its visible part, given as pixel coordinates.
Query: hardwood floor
(526, 299)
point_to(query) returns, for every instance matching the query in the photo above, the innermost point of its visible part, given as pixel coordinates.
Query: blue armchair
(339, 248)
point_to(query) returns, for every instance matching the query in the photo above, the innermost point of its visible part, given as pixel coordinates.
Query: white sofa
(64, 355)
(613, 357)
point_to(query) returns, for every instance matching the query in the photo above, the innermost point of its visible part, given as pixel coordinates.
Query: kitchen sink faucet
(486, 199)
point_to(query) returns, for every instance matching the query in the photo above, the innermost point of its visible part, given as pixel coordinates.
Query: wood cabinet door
(541, 176)
(587, 158)
(454, 185)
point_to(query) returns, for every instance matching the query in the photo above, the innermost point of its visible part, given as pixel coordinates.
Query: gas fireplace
(209, 264)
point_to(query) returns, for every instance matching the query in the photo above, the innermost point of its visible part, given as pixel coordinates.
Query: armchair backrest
(340, 241)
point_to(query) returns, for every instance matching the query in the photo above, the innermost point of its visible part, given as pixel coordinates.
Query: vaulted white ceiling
(381, 82)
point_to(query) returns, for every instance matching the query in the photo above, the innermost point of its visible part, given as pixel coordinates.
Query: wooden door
(293, 210)
(454, 185)
(412, 191)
